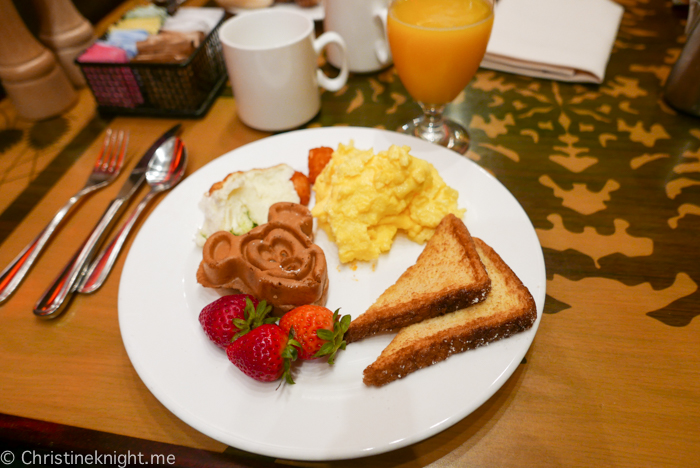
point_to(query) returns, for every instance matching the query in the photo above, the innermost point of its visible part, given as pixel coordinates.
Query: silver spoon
(164, 172)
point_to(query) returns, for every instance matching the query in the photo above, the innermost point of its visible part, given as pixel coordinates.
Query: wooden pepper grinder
(65, 31)
(36, 84)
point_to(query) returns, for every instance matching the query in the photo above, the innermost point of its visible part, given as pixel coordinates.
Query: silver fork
(107, 166)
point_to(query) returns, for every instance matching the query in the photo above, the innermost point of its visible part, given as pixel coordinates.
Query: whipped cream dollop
(242, 200)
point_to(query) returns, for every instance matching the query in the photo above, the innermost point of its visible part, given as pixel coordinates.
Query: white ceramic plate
(329, 414)
(314, 13)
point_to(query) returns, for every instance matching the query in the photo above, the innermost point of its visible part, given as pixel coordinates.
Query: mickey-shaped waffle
(277, 261)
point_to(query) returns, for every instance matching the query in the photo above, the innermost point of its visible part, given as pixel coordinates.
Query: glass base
(436, 129)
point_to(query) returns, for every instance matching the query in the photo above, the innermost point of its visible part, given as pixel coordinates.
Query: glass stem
(432, 125)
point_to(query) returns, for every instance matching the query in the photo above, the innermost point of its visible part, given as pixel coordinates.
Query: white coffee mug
(272, 61)
(362, 24)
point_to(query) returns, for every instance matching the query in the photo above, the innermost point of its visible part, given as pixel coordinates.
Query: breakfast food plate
(329, 413)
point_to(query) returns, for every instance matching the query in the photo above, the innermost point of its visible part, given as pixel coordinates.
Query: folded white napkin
(564, 40)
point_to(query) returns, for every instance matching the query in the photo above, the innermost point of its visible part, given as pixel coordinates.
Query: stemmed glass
(437, 46)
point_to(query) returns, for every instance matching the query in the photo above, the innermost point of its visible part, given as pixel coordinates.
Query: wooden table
(609, 175)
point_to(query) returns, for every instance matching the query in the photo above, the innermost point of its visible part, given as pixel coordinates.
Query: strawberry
(264, 353)
(318, 330)
(230, 316)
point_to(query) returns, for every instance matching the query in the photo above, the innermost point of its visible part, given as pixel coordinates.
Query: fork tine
(105, 146)
(113, 151)
(118, 150)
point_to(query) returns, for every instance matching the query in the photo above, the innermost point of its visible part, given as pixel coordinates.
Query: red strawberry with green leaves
(264, 353)
(229, 316)
(318, 330)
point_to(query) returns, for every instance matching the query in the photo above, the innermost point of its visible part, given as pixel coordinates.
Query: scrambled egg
(363, 199)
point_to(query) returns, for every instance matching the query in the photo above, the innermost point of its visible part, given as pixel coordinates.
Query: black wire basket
(185, 89)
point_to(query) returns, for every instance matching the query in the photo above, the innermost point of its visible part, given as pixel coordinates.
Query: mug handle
(381, 46)
(332, 84)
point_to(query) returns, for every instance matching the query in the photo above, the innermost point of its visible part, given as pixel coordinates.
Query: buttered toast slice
(508, 309)
(447, 276)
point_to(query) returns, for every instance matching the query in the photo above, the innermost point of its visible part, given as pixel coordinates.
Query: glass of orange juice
(437, 47)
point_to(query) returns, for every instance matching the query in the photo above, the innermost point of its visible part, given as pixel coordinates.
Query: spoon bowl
(167, 167)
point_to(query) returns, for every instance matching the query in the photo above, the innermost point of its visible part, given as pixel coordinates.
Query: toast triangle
(447, 276)
(508, 309)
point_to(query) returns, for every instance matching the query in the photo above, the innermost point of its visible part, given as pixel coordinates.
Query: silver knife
(55, 298)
